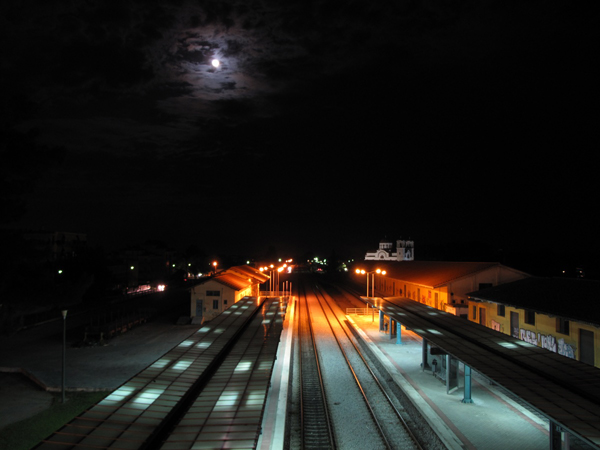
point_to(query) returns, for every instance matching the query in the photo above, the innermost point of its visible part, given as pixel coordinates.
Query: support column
(381, 320)
(451, 374)
(392, 323)
(467, 398)
(424, 364)
(566, 440)
(555, 437)
(398, 333)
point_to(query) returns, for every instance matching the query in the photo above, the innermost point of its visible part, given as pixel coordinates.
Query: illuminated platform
(564, 390)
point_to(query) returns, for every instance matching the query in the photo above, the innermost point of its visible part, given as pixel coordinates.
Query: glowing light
(120, 394)
(243, 366)
(215, 63)
(161, 363)
(182, 365)
(227, 399)
(147, 397)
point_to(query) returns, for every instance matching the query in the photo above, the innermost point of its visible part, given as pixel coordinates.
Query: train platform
(492, 421)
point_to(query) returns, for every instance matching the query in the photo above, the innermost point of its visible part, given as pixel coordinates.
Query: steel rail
(373, 375)
(305, 369)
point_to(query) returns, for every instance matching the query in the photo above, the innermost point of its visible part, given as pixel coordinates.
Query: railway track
(315, 423)
(362, 413)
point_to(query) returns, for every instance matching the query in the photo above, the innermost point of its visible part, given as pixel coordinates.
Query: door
(199, 309)
(514, 324)
(482, 316)
(586, 346)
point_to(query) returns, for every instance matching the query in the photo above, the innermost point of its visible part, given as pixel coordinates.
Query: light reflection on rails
(409, 440)
(315, 424)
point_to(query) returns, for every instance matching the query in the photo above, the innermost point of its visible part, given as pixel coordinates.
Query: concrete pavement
(31, 363)
(492, 421)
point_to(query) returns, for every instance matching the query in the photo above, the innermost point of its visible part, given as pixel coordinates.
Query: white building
(405, 251)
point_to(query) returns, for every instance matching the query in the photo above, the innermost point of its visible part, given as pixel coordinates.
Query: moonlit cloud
(127, 90)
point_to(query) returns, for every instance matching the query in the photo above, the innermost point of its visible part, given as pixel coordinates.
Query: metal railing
(358, 311)
(274, 293)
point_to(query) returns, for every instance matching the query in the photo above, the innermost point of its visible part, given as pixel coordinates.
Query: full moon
(215, 63)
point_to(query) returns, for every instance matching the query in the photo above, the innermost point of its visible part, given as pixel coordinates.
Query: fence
(359, 311)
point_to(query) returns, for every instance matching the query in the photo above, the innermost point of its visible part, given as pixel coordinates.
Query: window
(501, 311)
(215, 304)
(562, 325)
(530, 317)
(213, 293)
(474, 313)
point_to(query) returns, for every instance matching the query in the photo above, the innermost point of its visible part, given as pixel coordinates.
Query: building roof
(255, 274)
(232, 280)
(431, 274)
(565, 390)
(570, 298)
(237, 277)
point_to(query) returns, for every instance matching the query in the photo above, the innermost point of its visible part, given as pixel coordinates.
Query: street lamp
(64, 351)
(373, 272)
(279, 270)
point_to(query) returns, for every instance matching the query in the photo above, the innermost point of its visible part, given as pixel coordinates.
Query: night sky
(328, 125)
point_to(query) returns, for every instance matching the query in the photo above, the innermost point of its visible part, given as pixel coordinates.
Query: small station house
(214, 294)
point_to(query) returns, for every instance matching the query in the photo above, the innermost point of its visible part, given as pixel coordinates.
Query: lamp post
(279, 270)
(271, 270)
(64, 351)
(373, 272)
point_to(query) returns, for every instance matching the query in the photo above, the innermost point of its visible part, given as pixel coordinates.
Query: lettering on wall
(548, 342)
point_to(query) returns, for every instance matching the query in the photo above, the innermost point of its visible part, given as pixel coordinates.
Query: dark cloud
(356, 118)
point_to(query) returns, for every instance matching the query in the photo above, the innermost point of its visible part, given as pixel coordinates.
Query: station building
(559, 314)
(440, 284)
(210, 296)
